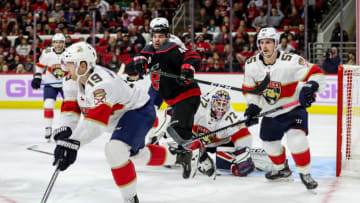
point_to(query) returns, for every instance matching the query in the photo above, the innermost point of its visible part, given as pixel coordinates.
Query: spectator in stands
(57, 13)
(24, 48)
(40, 5)
(125, 20)
(139, 20)
(351, 59)
(29, 64)
(217, 17)
(5, 42)
(201, 46)
(68, 40)
(252, 11)
(103, 6)
(223, 37)
(3, 66)
(286, 31)
(207, 37)
(17, 66)
(146, 11)
(276, 18)
(252, 44)
(216, 64)
(292, 41)
(9, 58)
(209, 6)
(114, 64)
(300, 37)
(99, 60)
(213, 27)
(136, 38)
(332, 61)
(336, 35)
(260, 20)
(285, 47)
(204, 18)
(90, 39)
(295, 17)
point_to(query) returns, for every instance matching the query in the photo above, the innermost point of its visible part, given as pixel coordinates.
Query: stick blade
(262, 85)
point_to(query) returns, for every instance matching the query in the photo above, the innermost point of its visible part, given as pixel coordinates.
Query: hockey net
(348, 126)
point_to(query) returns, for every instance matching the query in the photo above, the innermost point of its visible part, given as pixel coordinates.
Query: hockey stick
(243, 121)
(52, 83)
(32, 148)
(51, 184)
(257, 90)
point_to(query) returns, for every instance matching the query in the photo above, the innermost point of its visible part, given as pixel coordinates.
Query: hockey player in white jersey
(292, 79)
(108, 104)
(49, 62)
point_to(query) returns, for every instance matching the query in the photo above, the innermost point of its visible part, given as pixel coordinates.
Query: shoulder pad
(148, 48)
(168, 46)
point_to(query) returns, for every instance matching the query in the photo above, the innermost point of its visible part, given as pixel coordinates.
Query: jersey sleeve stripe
(288, 90)
(40, 65)
(100, 114)
(313, 70)
(70, 106)
(244, 132)
(168, 49)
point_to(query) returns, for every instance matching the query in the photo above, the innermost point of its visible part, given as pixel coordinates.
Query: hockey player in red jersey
(292, 79)
(108, 104)
(49, 63)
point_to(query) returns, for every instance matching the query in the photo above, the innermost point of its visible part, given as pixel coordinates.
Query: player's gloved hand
(187, 72)
(62, 133)
(36, 81)
(242, 164)
(307, 93)
(65, 153)
(140, 64)
(250, 113)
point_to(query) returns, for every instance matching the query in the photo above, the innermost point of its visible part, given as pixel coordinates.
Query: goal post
(348, 121)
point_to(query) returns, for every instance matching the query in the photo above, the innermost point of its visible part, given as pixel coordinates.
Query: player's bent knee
(297, 140)
(117, 153)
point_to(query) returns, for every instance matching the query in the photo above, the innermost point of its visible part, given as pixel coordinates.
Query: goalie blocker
(225, 157)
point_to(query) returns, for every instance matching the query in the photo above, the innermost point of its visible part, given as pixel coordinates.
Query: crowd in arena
(123, 22)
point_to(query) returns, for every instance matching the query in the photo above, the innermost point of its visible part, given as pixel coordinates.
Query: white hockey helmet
(58, 37)
(77, 53)
(160, 25)
(268, 33)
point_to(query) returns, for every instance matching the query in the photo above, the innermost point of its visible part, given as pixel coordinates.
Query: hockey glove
(242, 164)
(187, 72)
(62, 133)
(65, 153)
(140, 64)
(250, 113)
(307, 93)
(36, 81)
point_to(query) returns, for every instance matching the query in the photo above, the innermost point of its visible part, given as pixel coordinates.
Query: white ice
(24, 174)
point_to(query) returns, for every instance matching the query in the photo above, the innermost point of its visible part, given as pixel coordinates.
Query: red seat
(101, 50)
(220, 48)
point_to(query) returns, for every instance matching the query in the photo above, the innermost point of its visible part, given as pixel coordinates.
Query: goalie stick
(243, 121)
(257, 90)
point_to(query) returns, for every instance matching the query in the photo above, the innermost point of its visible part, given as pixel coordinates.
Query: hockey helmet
(267, 33)
(79, 52)
(160, 25)
(58, 37)
(220, 103)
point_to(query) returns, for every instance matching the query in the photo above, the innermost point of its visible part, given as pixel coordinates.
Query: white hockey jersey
(287, 76)
(49, 62)
(205, 123)
(103, 101)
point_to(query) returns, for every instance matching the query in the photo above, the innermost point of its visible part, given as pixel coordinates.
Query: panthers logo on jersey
(57, 71)
(208, 139)
(272, 92)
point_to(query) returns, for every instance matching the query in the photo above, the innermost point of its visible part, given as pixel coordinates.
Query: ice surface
(24, 175)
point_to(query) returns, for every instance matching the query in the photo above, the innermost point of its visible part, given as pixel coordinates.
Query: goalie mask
(220, 104)
(160, 25)
(77, 53)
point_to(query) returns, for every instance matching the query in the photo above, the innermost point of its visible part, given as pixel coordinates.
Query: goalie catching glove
(65, 153)
(242, 164)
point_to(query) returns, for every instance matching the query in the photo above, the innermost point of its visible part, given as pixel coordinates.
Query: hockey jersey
(288, 75)
(49, 62)
(103, 100)
(205, 123)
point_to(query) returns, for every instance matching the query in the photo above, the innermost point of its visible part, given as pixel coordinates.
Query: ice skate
(308, 181)
(133, 199)
(48, 131)
(187, 159)
(279, 174)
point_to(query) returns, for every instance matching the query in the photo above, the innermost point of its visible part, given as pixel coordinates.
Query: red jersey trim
(166, 50)
(184, 95)
(100, 114)
(313, 70)
(70, 106)
(40, 65)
